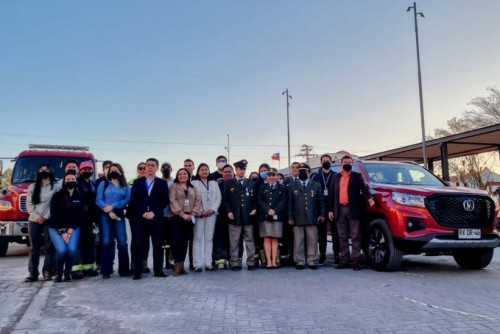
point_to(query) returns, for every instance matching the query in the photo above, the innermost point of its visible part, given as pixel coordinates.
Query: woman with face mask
(66, 207)
(38, 204)
(113, 195)
(205, 222)
(259, 242)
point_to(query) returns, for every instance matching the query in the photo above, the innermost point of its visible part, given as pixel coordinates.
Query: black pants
(36, 233)
(322, 238)
(180, 232)
(85, 257)
(221, 239)
(142, 231)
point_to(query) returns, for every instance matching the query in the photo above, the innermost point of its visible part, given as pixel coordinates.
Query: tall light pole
(227, 148)
(415, 13)
(288, 97)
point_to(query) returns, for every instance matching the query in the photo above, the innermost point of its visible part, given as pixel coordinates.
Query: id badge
(275, 217)
(207, 198)
(325, 192)
(186, 202)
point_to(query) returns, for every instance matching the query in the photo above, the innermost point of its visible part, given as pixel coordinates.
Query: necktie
(304, 184)
(241, 181)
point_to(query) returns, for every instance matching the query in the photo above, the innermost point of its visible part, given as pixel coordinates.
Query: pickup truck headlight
(408, 199)
(5, 205)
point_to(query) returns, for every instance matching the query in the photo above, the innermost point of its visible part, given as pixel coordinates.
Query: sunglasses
(141, 168)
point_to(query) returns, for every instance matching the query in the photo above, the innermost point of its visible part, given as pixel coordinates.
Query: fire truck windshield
(26, 167)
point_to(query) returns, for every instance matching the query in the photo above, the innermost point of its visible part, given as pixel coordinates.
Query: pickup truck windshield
(404, 174)
(26, 167)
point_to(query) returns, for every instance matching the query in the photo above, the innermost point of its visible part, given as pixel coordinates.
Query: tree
(488, 109)
(487, 112)
(6, 175)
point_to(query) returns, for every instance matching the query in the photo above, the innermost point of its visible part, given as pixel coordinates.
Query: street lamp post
(288, 97)
(415, 13)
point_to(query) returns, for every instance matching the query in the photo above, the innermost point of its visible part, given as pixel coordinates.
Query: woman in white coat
(205, 222)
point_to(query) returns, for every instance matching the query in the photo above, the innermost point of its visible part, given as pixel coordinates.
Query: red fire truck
(13, 211)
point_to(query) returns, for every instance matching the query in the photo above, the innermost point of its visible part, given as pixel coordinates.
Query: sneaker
(68, 278)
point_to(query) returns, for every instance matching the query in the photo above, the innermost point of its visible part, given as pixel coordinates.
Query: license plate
(469, 233)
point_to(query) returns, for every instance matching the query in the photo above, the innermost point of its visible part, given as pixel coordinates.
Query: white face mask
(221, 165)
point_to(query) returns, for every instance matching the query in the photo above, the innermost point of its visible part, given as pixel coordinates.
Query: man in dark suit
(240, 202)
(347, 196)
(221, 233)
(306, 208)
(324, 177)
(149, 197)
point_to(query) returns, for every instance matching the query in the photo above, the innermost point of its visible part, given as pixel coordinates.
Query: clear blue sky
(170, 79)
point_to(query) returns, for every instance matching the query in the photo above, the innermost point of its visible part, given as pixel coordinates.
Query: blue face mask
(263, 175)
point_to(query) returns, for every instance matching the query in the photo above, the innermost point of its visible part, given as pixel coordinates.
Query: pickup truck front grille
(461, 211)
(22, 203)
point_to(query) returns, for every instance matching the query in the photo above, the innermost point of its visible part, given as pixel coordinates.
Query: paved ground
(428, 295)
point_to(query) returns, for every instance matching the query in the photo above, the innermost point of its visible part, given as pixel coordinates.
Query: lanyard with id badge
(325, 191)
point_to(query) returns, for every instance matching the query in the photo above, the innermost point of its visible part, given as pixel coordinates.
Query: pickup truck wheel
(473, 258)
(381, 252)
(4, 246)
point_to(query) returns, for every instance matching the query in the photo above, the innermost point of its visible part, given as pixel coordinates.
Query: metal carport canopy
(480, 140)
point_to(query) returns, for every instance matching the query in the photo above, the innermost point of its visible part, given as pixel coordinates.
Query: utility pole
(306, 151)
(288, 97)
(414, 7)
(227, 148)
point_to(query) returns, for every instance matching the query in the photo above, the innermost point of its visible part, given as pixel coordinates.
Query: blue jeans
(111, 230)
(65, 252)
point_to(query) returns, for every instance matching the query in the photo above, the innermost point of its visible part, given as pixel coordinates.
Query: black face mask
(44, 174)
(71, 185)
(114, 175)
(166, 173)
(86, 175)
(302, 176)
(326, 165)
(347, 167)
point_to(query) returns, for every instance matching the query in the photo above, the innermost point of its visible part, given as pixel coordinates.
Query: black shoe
(313, 267)
(68, 278)
(299, 267)
(146, 270)
(125, 274)
(191, 267)
(77, 275)
(236, 268)
(322, 260)
(137, 276)
(106, 276)
(160, 274)
(356, 267)
(251, 268)
(342, 266)
(58, 279)
(31, 278)
(91, 273)
(336, 259)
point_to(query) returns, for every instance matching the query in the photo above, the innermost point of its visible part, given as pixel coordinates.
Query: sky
(177, 79)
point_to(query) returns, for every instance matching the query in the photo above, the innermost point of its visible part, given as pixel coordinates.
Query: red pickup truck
(415, 212)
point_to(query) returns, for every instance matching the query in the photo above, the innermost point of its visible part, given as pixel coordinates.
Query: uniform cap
(241, 164)
(304, 166)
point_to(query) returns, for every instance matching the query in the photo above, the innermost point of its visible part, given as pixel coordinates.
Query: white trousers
(203, 241)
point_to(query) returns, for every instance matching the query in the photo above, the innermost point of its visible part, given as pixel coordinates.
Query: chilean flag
(275, 156)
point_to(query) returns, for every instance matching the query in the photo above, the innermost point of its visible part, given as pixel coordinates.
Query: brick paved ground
(428, 295)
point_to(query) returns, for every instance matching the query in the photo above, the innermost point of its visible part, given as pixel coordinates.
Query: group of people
(208, 215)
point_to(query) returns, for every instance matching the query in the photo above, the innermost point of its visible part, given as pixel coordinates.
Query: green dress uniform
(240, 200)
(305, 206)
